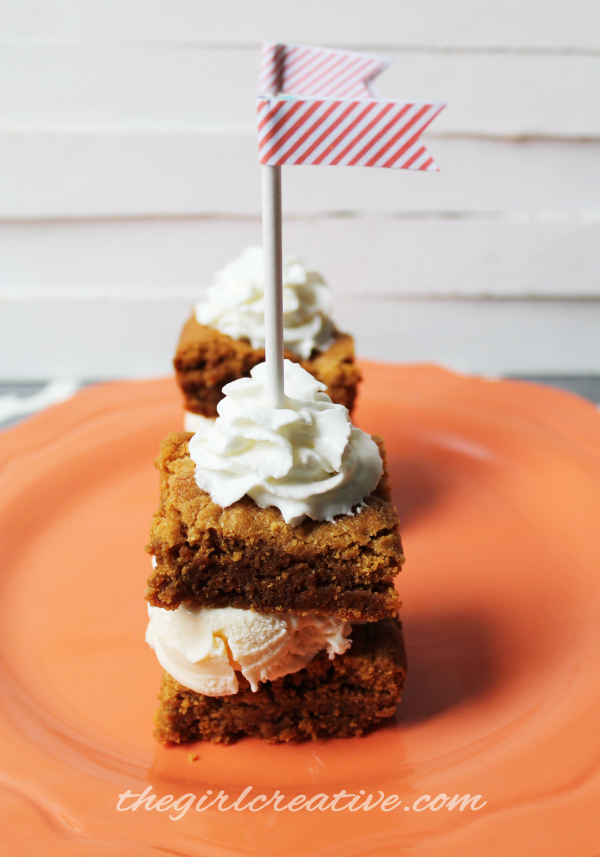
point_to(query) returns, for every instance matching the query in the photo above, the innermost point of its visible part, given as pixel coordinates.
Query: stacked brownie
(247, 557)
(222, 339)
(326, 699)
(206, 360)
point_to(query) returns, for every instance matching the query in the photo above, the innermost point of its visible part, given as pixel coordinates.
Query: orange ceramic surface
(498, 487)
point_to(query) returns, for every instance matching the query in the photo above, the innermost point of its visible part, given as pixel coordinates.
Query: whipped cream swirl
(306, 458)
(202, 648)
(234, 304)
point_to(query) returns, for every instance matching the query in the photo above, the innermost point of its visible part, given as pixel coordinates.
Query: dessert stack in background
(225, 336)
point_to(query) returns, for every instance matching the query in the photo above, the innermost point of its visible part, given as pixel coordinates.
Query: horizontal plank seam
(198, 131)
(541, 217)
(187, 44)
(124, 294)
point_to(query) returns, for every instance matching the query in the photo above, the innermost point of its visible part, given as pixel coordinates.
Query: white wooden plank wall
(128, 174)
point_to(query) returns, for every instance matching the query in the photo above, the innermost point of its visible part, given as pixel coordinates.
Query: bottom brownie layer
(328, 698)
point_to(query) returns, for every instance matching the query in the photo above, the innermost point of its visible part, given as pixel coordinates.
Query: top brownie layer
(206, 360)
(247, 557)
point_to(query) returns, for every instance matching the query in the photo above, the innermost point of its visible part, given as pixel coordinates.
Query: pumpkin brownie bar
(206, 360)
(327, 698)
(248, 557)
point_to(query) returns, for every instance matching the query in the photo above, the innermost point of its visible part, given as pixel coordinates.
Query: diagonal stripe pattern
(323, 110)
(323, 72)
(344, 132)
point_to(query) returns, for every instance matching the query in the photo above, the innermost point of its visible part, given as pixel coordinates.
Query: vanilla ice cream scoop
(195, 422)
(202, 648)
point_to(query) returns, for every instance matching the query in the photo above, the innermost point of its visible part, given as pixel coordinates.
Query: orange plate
(498, 487)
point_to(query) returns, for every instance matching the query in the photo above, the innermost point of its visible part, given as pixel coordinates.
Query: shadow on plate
(416, 487)
(449, 663)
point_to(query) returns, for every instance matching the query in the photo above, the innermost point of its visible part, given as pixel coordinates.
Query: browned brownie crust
(244, 556)
(336, 698)
(206, 360)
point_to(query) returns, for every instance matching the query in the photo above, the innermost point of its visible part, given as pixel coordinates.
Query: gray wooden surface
(586, 386)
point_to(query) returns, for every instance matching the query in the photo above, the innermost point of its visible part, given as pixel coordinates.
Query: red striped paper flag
(328, 113)
(323, 72)
(335, 132)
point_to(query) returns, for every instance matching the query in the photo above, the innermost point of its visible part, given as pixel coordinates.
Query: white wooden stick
(271, 225)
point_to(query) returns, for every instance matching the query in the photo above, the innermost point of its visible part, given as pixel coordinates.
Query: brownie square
(206, 360)
(248, 557)
(336, 698)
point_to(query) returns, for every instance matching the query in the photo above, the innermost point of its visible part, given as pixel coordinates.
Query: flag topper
(318, 106)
